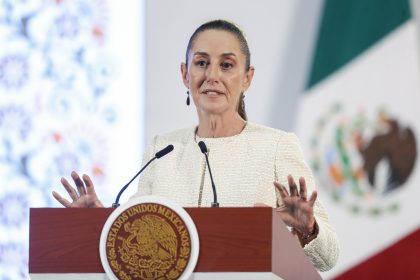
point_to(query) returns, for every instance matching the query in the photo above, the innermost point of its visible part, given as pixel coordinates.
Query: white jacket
(244, 167)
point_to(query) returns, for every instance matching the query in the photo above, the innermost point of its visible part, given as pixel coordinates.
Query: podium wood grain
(231, 240)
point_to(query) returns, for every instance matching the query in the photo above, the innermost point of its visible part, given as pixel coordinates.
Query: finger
(61, 199)
(79, 183)
(292, 186)
(71, 191)
(90, 189)
(282, 190)
(302, 188)
(313, 197)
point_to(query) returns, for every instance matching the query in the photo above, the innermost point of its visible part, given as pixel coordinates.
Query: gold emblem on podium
(148, 241)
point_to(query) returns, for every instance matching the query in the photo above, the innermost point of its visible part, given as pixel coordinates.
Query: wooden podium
(235, 243)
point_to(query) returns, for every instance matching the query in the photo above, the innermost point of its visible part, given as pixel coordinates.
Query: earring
(188, 98)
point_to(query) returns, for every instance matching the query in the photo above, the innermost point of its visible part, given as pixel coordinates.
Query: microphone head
(203, 147)
(164, 151)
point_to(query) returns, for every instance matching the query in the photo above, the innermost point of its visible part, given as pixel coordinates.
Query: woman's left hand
(296, 210)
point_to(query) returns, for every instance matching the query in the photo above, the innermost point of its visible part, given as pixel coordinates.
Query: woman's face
(216, 74)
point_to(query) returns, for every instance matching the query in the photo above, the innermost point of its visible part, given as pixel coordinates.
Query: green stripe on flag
(349, 27)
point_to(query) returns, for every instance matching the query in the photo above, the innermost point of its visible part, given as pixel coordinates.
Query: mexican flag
(359, 124)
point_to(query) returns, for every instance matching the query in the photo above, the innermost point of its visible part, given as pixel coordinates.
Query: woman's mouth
(212, 92)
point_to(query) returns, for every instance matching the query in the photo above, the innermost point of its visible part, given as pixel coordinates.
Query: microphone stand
(159, 154)
(116, 203)
(203, 149)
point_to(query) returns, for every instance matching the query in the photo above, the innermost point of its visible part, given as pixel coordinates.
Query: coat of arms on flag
(360, 159)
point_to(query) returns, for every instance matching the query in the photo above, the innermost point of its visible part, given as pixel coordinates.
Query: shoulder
(275, 140)
(179, 136)
(265, 132)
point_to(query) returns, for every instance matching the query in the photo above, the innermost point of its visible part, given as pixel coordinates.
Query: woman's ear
(184, 73)
(248, 78)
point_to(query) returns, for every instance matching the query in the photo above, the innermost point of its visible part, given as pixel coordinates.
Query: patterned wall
(57, 109)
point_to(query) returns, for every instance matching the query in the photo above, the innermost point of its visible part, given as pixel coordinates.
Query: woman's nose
(212, 73)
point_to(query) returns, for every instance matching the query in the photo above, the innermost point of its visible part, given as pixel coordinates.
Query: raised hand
(84, 197)
(296, 210)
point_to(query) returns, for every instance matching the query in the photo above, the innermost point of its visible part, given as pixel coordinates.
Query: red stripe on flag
(399, 261)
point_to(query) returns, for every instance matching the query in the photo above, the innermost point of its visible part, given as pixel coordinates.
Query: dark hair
(232, 28)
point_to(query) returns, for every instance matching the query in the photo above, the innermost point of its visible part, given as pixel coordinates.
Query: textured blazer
(244, 167)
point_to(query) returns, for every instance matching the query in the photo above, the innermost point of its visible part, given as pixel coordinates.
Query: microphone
(159, 154)
(203, 149)
(164, 151)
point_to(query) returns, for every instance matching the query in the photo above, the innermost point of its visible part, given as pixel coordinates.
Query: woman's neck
(216, 126)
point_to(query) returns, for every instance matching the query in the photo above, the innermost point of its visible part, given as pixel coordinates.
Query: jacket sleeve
(323, 251)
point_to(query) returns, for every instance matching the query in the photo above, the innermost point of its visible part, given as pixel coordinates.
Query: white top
(244, 167)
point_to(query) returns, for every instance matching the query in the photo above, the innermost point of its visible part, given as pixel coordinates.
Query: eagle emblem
(148, 241)
(152, 243)
(362, 157)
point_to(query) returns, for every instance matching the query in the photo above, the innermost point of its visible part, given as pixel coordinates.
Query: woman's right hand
(84, 197)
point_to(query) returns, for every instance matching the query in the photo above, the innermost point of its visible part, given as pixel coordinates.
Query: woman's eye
(201, 63)
(226, 65)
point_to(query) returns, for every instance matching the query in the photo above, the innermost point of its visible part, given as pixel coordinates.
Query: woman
(246, 158)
